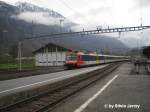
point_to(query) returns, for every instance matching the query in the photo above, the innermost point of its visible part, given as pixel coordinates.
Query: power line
(73, 10)
(97, 31)
(65, 4)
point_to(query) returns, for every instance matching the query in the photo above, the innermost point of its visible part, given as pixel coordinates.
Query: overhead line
(87, 32)
(75, 11)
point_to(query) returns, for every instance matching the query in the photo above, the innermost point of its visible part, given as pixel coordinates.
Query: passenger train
(80, 59)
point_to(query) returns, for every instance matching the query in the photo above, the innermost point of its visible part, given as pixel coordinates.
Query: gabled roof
(51, 48)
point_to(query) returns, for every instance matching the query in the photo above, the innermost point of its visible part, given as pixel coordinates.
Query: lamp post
(20, 55)
(61, 30)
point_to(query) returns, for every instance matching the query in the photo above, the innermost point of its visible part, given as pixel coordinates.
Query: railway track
(49, 99)
(7, 75)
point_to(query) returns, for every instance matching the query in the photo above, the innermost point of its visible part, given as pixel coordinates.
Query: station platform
(15, 90)
(21, 84)
(122, 91)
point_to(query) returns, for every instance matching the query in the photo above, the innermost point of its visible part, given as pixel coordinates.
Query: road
(22, 84)
(121, 91)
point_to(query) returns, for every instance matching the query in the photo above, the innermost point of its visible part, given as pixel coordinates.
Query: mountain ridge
(24, 7)
(18, 29)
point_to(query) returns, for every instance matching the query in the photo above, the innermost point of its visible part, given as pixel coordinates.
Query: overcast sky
(98, 12)
(114, 13)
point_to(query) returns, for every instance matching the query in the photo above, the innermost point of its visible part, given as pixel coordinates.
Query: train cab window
(71, 57)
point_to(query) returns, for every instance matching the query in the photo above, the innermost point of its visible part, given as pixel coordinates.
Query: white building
(50, 55)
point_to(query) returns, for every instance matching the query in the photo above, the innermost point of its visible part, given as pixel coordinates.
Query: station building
(50, 55)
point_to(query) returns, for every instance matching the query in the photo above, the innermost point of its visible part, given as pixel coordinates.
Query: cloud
(96, 11)
(112, 12)
(115, 13)
(38, 18)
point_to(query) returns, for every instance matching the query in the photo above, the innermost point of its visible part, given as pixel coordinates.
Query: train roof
(93, 54)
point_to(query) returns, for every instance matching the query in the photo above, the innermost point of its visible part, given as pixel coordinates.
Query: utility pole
(61, 26)
(56, 55)
(20, 55)
(32, 29)
(47, 55)
(61, 30)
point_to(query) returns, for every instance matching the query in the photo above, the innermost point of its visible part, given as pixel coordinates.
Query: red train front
(73, 60)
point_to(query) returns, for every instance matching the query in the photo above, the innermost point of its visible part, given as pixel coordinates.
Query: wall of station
(50, 58)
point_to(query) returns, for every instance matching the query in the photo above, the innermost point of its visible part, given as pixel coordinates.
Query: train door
(79, 60)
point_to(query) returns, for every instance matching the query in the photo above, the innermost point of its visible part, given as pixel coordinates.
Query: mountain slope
(20, 21)
(98, 43)
(27, 7)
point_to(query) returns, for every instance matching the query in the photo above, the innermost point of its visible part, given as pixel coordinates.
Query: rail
(50, 99)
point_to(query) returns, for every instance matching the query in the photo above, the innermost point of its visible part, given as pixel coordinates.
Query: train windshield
(71, 57)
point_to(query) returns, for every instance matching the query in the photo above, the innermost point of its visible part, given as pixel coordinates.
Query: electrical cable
(73, 10)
